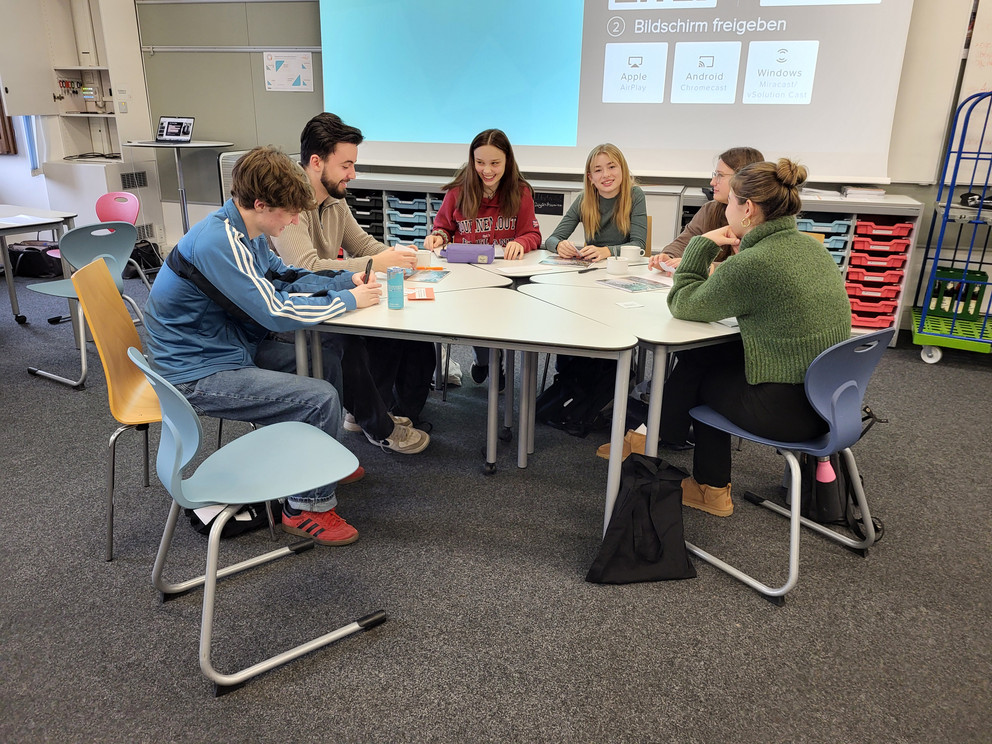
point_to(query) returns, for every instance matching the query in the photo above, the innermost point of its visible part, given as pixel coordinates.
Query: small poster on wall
(292, 71)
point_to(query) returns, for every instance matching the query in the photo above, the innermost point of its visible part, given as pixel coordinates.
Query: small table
(177, 148)
(462, 276)
(502, 318)
(652, 323)
(528, 266)
(15, 220)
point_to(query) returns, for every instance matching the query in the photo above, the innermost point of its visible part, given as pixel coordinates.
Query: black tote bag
(644, 541)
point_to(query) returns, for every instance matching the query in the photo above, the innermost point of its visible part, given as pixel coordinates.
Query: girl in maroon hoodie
(487, 202)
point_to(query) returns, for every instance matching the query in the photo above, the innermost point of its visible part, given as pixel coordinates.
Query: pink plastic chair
(121, 206)
(118, 206)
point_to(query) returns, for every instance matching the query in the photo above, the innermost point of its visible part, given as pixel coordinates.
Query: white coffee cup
(617, 264)
(631, 252)
(424, 259)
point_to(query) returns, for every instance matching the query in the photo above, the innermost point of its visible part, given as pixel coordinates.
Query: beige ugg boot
(712, 500)
(632, 442)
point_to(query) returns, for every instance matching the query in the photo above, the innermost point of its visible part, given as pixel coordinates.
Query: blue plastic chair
(247, 470)
(835, 386)
(112, 241)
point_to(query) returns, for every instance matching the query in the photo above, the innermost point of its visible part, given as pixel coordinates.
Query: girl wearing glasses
(712, 214)
(611, 210)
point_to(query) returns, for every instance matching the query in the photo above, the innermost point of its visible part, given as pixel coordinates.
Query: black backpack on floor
(832, 501)
(30, 258)
(578, 399)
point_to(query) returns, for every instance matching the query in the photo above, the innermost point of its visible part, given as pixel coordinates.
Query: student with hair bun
(788, 297)
(713, 213)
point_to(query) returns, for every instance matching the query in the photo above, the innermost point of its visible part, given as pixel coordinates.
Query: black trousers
(714, 376)
(402, 373)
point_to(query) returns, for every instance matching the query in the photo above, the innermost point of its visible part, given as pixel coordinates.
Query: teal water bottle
(394, 287)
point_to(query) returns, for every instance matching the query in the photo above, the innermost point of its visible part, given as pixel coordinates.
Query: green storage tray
(946, 291)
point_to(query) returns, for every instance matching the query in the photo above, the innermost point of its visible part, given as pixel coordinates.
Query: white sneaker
(405, 439)
(349, 423)
(401, 420)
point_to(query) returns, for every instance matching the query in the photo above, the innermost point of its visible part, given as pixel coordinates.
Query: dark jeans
(714, 376)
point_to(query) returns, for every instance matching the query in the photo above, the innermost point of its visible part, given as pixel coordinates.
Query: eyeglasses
(720, 176)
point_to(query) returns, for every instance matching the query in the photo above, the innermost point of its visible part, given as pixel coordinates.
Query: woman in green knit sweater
(789, 299)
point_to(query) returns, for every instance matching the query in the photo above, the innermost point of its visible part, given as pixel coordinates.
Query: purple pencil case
(469, 253)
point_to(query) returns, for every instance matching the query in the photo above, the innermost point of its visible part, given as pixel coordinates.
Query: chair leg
(141, 273)
(775, 594)
(137, 310)
(111, 468)
(272, 520)
(224, 683)
(144, 436)
(81, 382)
(867, 525)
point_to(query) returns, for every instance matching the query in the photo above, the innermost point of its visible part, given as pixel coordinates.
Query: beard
(337, 190)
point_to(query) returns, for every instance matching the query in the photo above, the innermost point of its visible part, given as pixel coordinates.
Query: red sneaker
(354, 477)
(324, 528)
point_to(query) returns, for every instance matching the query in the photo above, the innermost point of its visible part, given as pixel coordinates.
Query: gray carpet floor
(493, 634)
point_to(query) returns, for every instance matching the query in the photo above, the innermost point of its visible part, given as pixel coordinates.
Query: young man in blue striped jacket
(220, 298)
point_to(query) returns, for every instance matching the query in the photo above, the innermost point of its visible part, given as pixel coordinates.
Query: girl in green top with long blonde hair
(611, 210)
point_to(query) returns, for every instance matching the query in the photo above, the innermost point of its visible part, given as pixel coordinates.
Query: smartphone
(368, 271)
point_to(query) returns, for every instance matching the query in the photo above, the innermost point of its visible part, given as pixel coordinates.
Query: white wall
(17, 185)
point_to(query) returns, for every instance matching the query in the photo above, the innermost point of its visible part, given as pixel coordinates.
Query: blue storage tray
(436, 204)
(418, 205)
(407, 231)
(391, 241)
(838, 256)
(837, 226)
(836, 243)
(406, 218)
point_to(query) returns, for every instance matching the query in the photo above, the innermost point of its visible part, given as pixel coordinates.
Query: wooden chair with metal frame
(132, 400)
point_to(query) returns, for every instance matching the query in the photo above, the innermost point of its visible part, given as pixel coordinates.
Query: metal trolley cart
(952, 297)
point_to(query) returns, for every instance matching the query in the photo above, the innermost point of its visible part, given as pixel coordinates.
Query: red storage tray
(890, 246)
(871, 321)
(878, 260)
(897, 230)
(873, 306)
(884, 291)
(892, 276)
